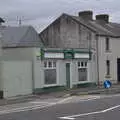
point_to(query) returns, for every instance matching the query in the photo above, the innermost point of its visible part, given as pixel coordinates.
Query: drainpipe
(97, 51)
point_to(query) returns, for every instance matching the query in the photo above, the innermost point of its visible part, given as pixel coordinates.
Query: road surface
(71, 108)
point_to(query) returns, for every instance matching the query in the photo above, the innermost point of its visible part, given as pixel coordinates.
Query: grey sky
(40, 13)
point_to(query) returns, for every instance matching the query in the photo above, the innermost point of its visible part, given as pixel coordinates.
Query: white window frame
(84, 66)
(52, 67)
(80, 67)
(47, 64)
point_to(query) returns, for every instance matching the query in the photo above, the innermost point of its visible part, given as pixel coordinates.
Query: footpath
(115, 89)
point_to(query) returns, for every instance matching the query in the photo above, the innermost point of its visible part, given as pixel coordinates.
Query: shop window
(82, 71)
(50, 72)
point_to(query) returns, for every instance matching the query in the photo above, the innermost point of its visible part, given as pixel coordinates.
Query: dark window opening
(107, 44)
(108, 67)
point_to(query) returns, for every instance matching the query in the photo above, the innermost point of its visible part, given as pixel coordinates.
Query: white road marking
(21, 109)
(39, 102)
(64, 100)
(72, 117)
(38, 105)
(67, 118)
(42, 104)
(33, 107)
(112, 108)
(90, 99)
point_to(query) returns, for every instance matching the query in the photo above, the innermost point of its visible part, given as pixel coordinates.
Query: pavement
(100, 90)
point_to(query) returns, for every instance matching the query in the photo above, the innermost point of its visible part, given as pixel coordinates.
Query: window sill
(108, 51)
(50, 85)
(107, 76)
(83, 81)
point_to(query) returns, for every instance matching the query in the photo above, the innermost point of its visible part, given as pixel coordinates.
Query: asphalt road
(104, 108)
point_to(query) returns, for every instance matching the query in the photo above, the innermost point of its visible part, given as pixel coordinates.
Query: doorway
(68, 75)
(118, 69)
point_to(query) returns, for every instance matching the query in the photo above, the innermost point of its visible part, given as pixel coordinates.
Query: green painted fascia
(65, 51)
(68, 52)
(54, 51)
(77, 51)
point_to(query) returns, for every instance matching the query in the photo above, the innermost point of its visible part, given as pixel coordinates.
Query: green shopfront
(66, 67)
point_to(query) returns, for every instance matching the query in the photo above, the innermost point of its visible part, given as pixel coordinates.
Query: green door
(68, 75)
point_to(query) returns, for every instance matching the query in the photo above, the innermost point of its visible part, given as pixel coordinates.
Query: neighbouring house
(99, 38)
(19, 69)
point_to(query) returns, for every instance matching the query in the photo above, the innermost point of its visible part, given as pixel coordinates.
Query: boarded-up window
(50, 76)
(50, 72)
(82, 74)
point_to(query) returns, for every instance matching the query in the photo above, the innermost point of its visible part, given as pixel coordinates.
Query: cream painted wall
(112, 55)
(27, 54)
(17, 78)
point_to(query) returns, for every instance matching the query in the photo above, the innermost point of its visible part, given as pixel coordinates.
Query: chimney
(103, 18)
(86, 15)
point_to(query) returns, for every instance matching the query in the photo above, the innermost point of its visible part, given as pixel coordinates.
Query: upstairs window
(108, 67)
(107, 44)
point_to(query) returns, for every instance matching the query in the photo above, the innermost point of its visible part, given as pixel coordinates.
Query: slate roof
(23, 36)
(108, 29)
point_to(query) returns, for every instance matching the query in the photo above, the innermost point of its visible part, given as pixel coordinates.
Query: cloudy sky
(40, 13)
